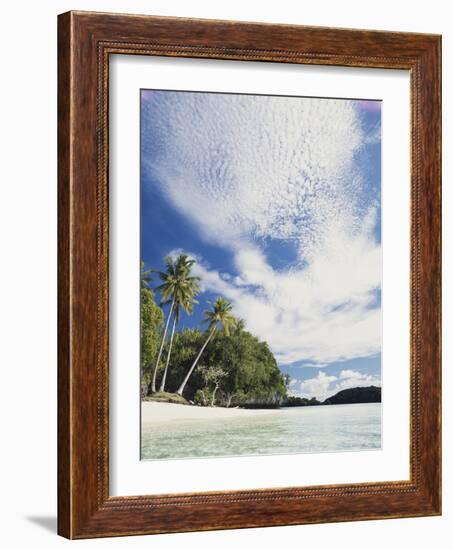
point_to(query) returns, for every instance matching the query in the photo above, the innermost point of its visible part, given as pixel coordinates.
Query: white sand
(154, 412)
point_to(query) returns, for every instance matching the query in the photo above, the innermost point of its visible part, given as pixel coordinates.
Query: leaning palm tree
(178, 286)
(219, 315)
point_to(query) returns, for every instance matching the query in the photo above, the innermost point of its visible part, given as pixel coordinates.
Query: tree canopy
(250, 375)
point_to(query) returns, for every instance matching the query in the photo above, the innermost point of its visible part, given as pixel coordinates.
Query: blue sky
(278, 199)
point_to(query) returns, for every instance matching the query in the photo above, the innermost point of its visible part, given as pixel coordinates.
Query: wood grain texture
(64, 371)
(86, 40)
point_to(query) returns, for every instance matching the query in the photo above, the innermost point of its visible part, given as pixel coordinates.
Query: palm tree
(178, 288)
(220, 314)
(239, 326)
(185, 302)
(145, 275)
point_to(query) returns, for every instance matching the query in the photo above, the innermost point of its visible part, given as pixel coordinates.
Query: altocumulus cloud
(246, 169)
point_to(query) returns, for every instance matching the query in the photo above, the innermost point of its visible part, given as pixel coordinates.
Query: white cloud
(319, 314)
(317, 387)
(323, 386)
(244, 168)
(351, 379)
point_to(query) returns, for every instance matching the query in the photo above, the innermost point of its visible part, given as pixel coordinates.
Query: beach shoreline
(154, 412)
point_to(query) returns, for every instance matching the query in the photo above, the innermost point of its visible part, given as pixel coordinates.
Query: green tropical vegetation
(220, 364)
(151, 319)
(296, 401)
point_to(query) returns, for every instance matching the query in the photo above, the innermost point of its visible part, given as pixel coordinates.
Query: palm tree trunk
(194, 364)
(164, 377)
(153, 385)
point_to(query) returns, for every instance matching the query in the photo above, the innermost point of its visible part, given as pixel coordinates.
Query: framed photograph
(249, 275)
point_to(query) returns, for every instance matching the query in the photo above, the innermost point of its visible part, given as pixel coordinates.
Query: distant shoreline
(350, 396)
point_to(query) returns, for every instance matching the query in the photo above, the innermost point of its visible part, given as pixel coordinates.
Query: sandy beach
(153, 412)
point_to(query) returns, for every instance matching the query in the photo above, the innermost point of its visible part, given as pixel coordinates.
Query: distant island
(369, 394)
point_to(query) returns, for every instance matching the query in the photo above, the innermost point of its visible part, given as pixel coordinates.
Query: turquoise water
(292, 430)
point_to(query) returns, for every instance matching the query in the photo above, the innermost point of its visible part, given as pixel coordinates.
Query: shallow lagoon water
(289, 430)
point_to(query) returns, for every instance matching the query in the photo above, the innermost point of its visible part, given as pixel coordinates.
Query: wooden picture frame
(85, 42)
